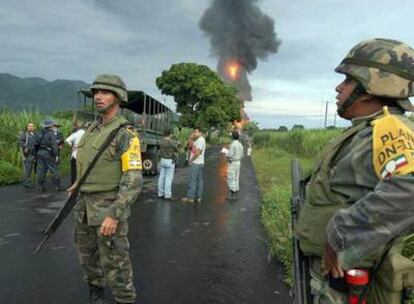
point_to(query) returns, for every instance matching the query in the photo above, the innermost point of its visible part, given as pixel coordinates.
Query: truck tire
(150, 162)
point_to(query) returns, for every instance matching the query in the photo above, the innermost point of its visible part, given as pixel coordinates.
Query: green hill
(48, 96)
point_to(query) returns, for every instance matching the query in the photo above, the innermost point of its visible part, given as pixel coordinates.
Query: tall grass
(297, 142)
(12, 124)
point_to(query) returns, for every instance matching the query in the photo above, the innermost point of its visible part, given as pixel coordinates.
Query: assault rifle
(301, 289)
(71, 200)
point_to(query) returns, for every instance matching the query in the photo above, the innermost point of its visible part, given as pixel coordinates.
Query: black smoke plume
(239, 32)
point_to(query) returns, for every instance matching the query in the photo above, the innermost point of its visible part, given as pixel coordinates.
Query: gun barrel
(39, 247)
(301, 264)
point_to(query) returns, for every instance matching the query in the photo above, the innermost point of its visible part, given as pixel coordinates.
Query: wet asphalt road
(213, 252)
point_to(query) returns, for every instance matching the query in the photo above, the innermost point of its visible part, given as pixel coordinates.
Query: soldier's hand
(70, 189)
(109, 226)
(330, 262)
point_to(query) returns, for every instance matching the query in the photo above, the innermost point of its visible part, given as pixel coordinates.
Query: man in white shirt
(234, 156)
(196, 163)
(73, 141)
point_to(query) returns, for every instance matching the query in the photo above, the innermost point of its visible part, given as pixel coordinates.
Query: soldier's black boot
(235, 195)
(96, 295)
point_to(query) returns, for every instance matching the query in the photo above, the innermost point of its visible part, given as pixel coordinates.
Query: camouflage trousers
(320, 290)
(105, 260)
(233, 174)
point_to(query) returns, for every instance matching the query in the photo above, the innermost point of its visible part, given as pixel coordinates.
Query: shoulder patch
(393, 146)
(131, 158)
(131, 131)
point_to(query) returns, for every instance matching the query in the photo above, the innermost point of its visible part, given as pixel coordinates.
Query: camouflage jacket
(379, 209)
(103, 202)
(349, 205)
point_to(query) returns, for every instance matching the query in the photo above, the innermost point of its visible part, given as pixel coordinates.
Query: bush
(261, 139)
(299, 142)
(8, 173)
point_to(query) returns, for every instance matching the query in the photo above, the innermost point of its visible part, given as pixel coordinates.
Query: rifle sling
(102, 149)
(71, 200)
(68, 206)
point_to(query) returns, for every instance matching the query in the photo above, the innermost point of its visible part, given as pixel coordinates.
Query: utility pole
(334, 122)
(326, 113)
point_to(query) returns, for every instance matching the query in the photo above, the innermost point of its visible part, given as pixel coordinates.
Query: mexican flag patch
(393, 165)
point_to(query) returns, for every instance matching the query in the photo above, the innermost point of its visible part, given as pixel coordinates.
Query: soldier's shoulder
(126, 133)
(365, 132)
(129, 130)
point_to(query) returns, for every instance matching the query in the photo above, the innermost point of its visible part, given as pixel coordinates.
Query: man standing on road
(234, 157)
(47, 155)
(27, 147)
(73, 141)
(105, 198)
(168, 150)
(196, 163)
(359, 199)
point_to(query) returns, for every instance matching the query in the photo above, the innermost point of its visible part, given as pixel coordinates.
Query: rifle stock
(301, 262)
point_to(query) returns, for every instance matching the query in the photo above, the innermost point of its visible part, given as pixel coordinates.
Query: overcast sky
(78, 39)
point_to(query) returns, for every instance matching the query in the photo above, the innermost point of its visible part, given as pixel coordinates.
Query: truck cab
(149, 116)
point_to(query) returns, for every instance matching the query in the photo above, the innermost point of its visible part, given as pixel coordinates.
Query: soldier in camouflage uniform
(103, 206)
(360, 193)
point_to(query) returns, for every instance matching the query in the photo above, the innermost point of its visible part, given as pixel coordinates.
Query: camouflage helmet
(111, 83)
(384, 67)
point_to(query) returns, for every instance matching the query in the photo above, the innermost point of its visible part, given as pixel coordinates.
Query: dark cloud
(240, 35)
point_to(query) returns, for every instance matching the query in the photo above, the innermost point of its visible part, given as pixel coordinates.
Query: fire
(233, 69)
(240, 124)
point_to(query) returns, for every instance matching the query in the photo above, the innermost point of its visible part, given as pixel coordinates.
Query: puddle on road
(3, 242)
(8, 238)
(45, 210)
(51, 207)
(12, 235)
(59, 247)
(55, 204)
